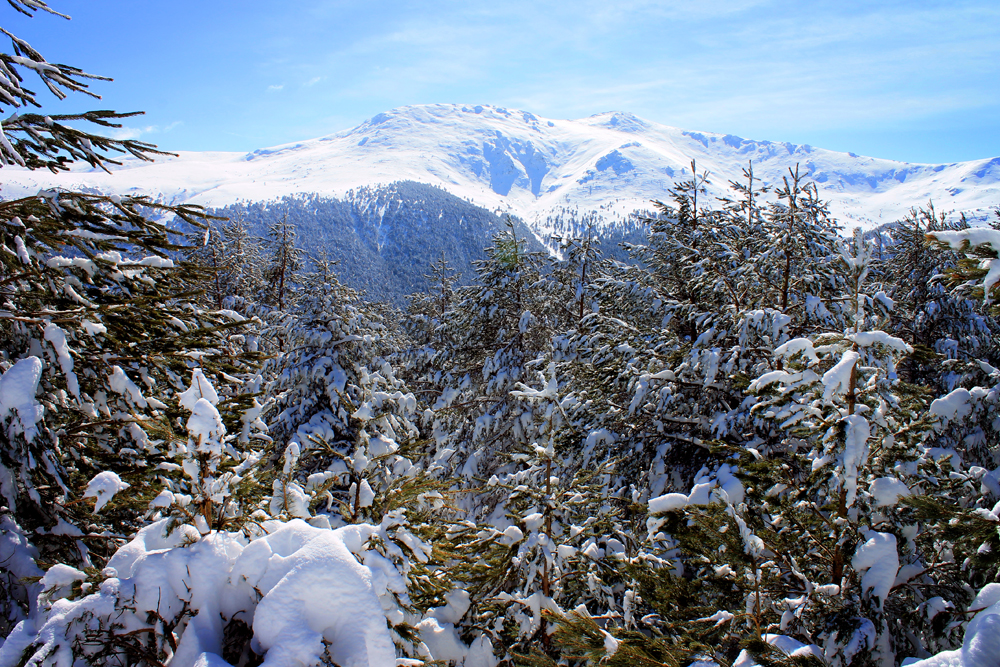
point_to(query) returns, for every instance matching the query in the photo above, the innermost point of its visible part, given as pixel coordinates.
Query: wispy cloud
(127, 132)
(273, 88)
(683, 59)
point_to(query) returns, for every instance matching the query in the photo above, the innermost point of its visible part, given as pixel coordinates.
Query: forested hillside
(764, 440)
(382, 239)
(385, 239)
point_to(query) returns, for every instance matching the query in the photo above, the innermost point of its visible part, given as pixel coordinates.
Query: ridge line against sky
(911, 81)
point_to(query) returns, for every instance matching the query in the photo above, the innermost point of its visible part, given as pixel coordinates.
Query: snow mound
(314, 589)
(61, 575)
(306, 590)
(879, 557)
(667, 503)
(887, 491)
(981, 646)
(953, 406)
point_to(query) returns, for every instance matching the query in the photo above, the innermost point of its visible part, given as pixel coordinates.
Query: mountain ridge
(517, 162)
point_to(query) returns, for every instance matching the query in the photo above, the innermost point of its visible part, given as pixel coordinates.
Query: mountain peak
(618, 120)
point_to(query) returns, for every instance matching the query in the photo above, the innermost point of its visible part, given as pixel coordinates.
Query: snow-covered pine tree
(213, 463)
(553, 541)
(949, 330)
(957, 521)
(246, 275)
(348, 448)
(802, 238)
(425, 314)
(100, 332)
(491, 333)
(477, 350)
(674, 247)
(209, 248)
(677, 338)
(635, 325)
(572, 275)
(775, 577)
(232, 260)
(849, 425)
(284, 260)
(977, 273)
(670, 388)
(966, 413)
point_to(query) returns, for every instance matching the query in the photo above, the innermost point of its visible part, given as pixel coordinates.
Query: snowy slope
(514, 161)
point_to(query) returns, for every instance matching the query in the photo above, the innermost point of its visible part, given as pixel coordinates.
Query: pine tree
(35, 141)
(949, 331)
(232, 260)
(209, 248)
(756, 443)
(100, 330)
(572, 278)
(554, 541)
(284, 261)
(426, 311)
(840, 400)
(801, 492)
(101, 314)
(491, 333)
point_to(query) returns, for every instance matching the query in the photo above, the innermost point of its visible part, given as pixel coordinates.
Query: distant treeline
(383, 239)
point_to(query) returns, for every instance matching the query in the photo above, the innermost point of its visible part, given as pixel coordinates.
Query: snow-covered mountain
(533, 167)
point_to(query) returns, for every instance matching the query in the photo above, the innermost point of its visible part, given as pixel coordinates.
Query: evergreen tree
(427, 310)
(284, 260)
(232, 260)
(554, 542)
(756, 443)
(35, 141)
(493, 331)
(100, 331)
(572, 278)
(209, 248)
(344, 427)
(949, 330)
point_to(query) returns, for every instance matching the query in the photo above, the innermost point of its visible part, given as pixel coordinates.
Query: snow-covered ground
(517, 162)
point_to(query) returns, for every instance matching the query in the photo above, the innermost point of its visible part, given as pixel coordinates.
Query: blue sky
(915, 81)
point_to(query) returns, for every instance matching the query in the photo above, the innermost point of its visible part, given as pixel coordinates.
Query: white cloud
(275, 87)
(127, 132)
